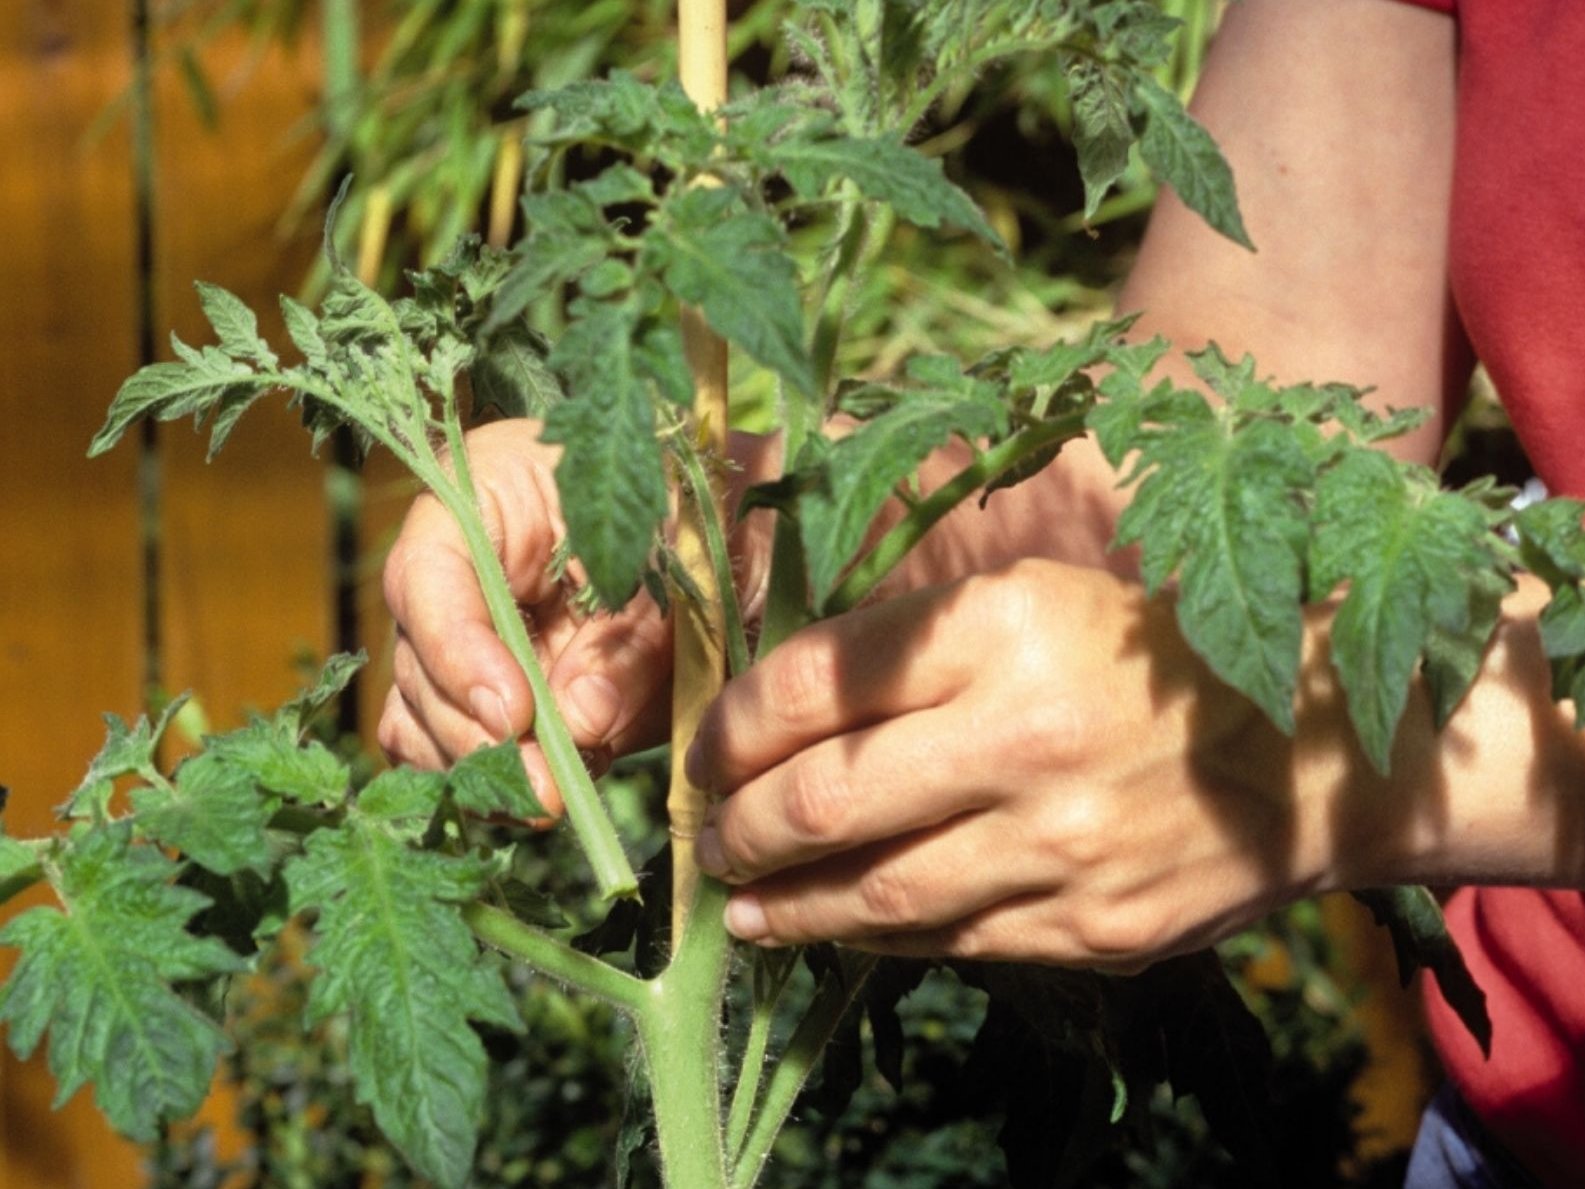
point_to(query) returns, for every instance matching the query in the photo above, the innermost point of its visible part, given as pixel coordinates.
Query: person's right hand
(457, 687)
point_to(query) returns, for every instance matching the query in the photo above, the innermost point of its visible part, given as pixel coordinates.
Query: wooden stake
(700, 663)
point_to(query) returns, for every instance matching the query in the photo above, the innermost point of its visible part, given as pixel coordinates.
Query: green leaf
(1183, 155)
(611, 478)
(126, 750)
(331, 682)
(402, 797)
(214, 814)
(1221, 509)
(1411, 554)
(1102, 133)
(713, 252)
(310, 774)
(19, 866)
(512, 375)
(493, 780)
(1421, 941)
(394, 956)
(235, 325)
(303, 328)
(202, 383)
(913, 185)
(97, 974)
(860, 473)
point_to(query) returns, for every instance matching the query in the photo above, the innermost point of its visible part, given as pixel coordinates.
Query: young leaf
(332, 681)
(1410, 553)
(1183, 155)
(611, 479)
(126, 750)
(394, 956)
(235, 325)
(97, 974)
(202, 383)
(310, 774)
(214, 814)
(493, 780)
(1102, 134)
(712, 251)
(1221, 508)
(1421, 941)
(861, 471)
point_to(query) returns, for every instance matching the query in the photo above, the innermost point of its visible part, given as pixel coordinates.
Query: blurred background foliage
(417, 107)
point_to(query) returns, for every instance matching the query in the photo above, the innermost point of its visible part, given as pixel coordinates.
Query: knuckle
(1078, 831)
(817, 800)
(1119, 936)
(890, 900)
(803, 680)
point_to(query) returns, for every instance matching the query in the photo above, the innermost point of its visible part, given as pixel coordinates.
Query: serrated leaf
(97, 975)
(861, 471)
(310, 773)
(1183, 155)
(213, 813)
(493, 780)
(19, 866)
(171, 391)
(126, 750)
(1221, 509)
(1102, 133)
(402, 796)
(511, 373)
(913, 185)
(235, 326)
(331, 682)
(1421, 941)
(610, 476)
(394, 956)
(303, 329)
(731, 262)
(1453, 657)
(1410, 553)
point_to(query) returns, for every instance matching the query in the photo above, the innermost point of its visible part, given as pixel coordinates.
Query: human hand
(457, 687)
(1028, 765)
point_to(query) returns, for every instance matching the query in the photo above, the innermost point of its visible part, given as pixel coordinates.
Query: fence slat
(70, 588)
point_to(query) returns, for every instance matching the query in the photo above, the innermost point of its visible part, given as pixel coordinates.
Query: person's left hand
(1027, 765)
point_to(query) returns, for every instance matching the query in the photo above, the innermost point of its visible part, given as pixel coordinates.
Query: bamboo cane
(700, 634)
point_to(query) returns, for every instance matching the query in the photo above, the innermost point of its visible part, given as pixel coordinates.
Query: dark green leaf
(394, 956)
(214, 814)
(97, 974)
(511, 373)
(1184, 156)
(713, 252)
(493, 780)
(611, 479)
(1102, 133)
(1421, 941)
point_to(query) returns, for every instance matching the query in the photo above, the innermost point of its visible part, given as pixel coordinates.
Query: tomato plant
(1249, 503)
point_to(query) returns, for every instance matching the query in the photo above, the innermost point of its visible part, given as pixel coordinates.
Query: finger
(831, 678)
(403, 739)
(609, 677)
(874, 784)
(455, 731)
(926, 881)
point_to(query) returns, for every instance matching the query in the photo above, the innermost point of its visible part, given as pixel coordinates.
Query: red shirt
(1518, 277)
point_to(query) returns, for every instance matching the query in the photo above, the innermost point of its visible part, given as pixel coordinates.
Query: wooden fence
(148, 564)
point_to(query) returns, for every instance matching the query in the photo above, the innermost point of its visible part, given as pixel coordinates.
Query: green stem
(340, 30)
(590, 822)
(555, 959)
(787, 594)
(814, 1032)
(680, 1031)
(924, 515)
(746, 1093)
(716, 546)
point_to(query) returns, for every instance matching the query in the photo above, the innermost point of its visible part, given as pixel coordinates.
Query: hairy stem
(752, 1068)
(590, 823)
(814, 1032)
(720, 557)
(557, 960)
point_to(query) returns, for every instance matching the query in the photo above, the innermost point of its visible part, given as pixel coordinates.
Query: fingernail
(707, 850)
(595, 703)
(745, 918)
(489, 707)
